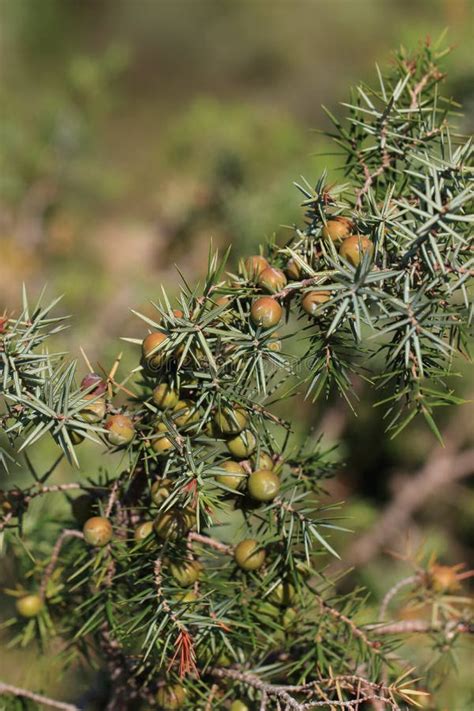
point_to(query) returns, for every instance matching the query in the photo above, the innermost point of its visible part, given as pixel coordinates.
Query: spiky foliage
(207, 586)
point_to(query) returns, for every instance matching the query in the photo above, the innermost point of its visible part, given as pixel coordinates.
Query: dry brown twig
(37, 698)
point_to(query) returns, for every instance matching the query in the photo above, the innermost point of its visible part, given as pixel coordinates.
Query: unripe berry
(94, 411)
(249, 554)
(97, 531)
(283, 594)
(160, 490)
(171, 697)
(272, 279)
(231, 420)
(234, 476)
(266, 312)
(161, 444)
(94, 380)
(185, 413)
(337, 229)
(120, 430)
(293, 270)
(174, 524)
(263, 485)
(154, 358)
(239, 705)
(186, 596)
(255, 265)
(164, 396)
(263, 460)
(29, 605)
(242, 445)
(186, 572)
(353, 249)
(312, 299)
(143, 531)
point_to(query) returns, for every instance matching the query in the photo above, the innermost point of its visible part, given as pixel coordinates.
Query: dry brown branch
(423, 627)
(443, 468)
(67, 533)
(211, 542)
(37, 698)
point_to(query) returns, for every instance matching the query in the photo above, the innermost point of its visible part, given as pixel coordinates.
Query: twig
(440, 470)
(422, 627)
(38, 698)
(67, 533)
(411, 580)
(211, 542)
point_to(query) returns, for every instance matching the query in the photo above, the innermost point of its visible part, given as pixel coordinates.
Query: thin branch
(411, 580)
(37, 698)
(67, 533)
(211, 542)
(441, 470)
(423, 627)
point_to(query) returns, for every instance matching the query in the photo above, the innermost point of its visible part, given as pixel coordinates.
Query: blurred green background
(134, 132)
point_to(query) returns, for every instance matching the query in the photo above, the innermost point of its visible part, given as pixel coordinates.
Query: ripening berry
(94, 381)
(94, 411)
(164, 396)
(293, 270)
(29, 605)
(283, 594)
(186, 572)
(234, 474)
(120, 430)
(97, 531)
(171, 697)
(231, 420)
(185, 413)
(263, 485)
(312, 299)
(262, 460)
(337, 229)
(223, 300)
(354, 247)
(242, 445)
(160, 490)
(177, 313)
(144, 530)
(249, 554)
(255, 265)
(266, 312)
(153, 355)
(239, 705)
(174, 523)
(272, 279)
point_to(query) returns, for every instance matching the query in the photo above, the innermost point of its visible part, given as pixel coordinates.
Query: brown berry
(293, 270)
(120, 430)
(266, 312)
(337, 229)
(97, 531)
(353, 249)
(152, 349)
(255, 265)
(272, 279)
(312, 300)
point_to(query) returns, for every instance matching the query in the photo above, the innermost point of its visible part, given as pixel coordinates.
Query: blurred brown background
(134, 132)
